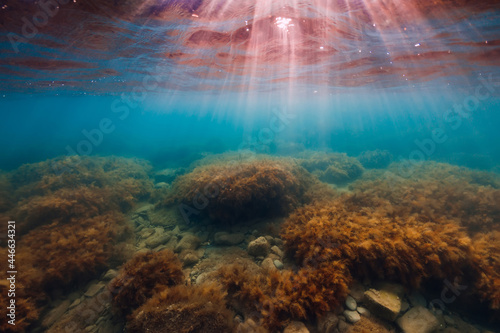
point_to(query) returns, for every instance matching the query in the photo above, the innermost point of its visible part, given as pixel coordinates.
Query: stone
(363, 311)
(268, 264)
(350, 303)
(418, 320)
(328, 323)
(357, 291)
(259, 247)
(343, 326)
(296, 327)
(167, 175)
(76, 302)
(351, 316)
(110, 275)
(159, 238)
(189, 257)
(277, 251)
(94, 289)
(226, 239)
(146, 232)
(416, 299)
(278, 264)
(383, 303)
(55, 314)
(188, 242)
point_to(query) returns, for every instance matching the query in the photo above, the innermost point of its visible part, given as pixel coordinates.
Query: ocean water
(201, 127)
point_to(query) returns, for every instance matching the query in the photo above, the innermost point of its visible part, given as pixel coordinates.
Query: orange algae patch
(70, 222)
(142, 276)
(230, 192)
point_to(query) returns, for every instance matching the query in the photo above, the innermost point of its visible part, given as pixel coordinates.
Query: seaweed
(142, 276)
(243, 190)
(334, 168)
(375, 159)
(184, 309)
(275, 298)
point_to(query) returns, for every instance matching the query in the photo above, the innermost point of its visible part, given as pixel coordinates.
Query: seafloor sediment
(317, 242)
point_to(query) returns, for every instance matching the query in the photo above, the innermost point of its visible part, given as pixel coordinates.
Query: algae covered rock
(259, 247)
(333, 168)
(233, 192)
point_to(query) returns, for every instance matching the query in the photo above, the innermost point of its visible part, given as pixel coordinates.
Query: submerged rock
(418, 320)
(352, 316)
(350, 303)
(226, 239)
(296, 327)
(383, 303)
(259, 247)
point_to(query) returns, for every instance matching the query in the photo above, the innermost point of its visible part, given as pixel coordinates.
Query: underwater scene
(219, 166)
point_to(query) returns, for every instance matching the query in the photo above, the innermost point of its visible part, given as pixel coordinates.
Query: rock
(278, 264)
(167, 175)
(188, 258)
(94, 289)
(363, 311)
(404, 306)
(296, 327)
(75, 303)
(357, 292)
(258, 247)
(188, 242)
(418, 320)
(55, 314)
(110, 275)
(328, 323)
(277, 251)
(268, 264)
(269, 239)
(227, 239)
(350, 303)
(416, 299)
(343, 326)
(352, 316)
(146, 232)
(158, 239)
(383, 303)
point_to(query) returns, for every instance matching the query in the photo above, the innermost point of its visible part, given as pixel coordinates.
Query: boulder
(383, 303)
(418, 320)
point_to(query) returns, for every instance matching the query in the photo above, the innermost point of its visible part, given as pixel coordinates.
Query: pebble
(296, 327)
(363, 311)
(110, 275)
(276, 250)
(350, 303)
(278, 264)
(352, 316)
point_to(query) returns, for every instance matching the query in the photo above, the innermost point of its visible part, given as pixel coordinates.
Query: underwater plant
(275, 298)
(184, 309)
(70, 205)
(334, 168)
(375, 159)
(144, 275)
(243, 190)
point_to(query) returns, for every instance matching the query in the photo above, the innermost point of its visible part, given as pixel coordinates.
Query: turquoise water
(359, 139)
